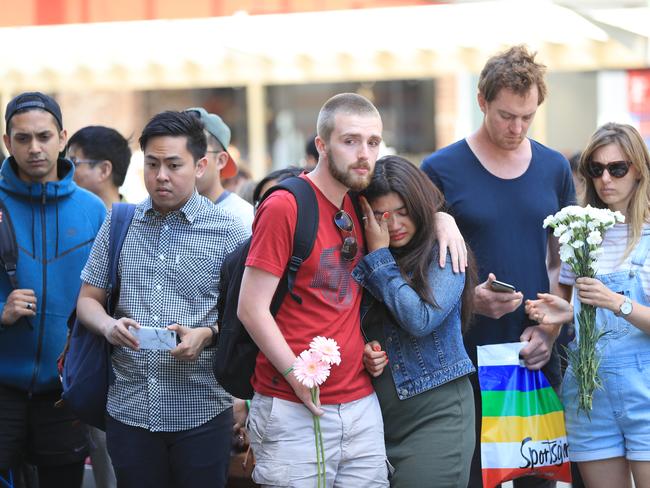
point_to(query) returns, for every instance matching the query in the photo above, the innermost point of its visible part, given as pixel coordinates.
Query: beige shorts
(282, 438)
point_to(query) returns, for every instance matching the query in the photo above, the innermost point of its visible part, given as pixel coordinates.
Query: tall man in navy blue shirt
(500, 185)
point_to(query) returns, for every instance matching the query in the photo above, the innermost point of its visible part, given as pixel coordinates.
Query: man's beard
(347, 177)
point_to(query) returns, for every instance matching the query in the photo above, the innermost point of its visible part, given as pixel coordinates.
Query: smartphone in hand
(155, 338)
(502, 286)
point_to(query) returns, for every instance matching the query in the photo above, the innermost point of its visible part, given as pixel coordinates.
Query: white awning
(365, 44)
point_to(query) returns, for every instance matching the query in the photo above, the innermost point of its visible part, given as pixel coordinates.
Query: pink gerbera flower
(310, 370)
(327, 348)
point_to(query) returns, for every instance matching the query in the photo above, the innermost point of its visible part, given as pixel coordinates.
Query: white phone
(155, 338)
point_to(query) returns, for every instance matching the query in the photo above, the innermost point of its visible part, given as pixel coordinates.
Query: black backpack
(234, 361)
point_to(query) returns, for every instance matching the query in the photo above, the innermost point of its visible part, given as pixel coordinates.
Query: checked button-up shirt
(169, 273)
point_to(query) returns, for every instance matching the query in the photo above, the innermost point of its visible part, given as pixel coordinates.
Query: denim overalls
(620, 419)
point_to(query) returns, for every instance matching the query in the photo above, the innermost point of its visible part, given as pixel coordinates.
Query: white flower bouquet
(580, 231)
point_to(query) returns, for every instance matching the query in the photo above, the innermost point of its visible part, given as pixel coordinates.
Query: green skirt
(429, 437)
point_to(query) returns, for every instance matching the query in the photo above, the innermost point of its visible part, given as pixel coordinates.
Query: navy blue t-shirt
(501, 220)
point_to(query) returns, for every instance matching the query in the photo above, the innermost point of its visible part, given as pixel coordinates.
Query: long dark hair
(422, 200)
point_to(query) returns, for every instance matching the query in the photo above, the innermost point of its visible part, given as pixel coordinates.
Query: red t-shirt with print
(330, 297)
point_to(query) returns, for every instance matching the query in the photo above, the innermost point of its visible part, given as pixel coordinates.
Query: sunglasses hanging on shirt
(345, 224)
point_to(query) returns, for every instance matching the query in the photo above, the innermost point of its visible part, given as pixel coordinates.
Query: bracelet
(287, 371)
(248, 405)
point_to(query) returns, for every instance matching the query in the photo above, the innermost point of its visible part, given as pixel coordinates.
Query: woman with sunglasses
(616, 167)
(415, 316)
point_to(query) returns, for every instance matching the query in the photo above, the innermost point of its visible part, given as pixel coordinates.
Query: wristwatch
(625, 309)
(215, 334)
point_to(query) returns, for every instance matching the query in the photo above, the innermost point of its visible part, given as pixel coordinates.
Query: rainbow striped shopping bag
(522, 431)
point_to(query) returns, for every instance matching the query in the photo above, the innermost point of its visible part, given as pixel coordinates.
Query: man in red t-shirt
(281, 429)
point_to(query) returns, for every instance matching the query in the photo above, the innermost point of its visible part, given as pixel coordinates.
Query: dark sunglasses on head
(616, 169)
(345, 224)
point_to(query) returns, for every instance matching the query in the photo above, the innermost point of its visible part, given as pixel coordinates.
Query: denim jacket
(424, 343)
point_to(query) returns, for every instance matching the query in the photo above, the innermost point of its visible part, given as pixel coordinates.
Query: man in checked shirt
(169, 422)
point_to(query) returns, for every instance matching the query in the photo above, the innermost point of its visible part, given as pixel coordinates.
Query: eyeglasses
(345, 224)
(616, 169)
(77, 162)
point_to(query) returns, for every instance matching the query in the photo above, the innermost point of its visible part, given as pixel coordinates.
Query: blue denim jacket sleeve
(379, 274)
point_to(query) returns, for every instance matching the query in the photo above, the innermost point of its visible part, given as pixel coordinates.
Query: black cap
(34, 100)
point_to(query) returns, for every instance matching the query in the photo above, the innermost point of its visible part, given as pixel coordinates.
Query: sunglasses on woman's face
(616, 169)
(345, 224)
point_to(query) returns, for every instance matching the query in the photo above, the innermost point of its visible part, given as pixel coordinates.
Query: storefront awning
(365, 44)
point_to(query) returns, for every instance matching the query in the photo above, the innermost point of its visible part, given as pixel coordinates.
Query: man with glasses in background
(101, 156)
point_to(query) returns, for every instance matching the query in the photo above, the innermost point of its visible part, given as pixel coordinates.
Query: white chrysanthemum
(559, 230)
(577, 244)
(566, 253)
(550, 220)
(594, 238)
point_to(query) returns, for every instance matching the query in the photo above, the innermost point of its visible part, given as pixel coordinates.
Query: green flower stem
(586, 360)
(322, 449)
(318, 438)
(314, 418)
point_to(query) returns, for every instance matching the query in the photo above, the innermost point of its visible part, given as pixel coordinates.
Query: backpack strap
(121, 216)
(9, 254)
(8, 246)
(354, 196)
(306, 226)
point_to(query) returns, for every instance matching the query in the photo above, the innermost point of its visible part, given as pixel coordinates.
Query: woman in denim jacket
(415, 317)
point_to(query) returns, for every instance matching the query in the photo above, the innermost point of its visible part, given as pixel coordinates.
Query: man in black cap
(55, 223)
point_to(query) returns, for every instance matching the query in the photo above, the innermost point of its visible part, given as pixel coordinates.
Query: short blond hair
(348, 103)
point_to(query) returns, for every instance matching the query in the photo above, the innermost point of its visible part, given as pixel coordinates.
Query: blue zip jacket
(55, 225)
(424, 343)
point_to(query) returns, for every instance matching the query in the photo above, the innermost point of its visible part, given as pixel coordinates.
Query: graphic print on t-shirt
(334, 278)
